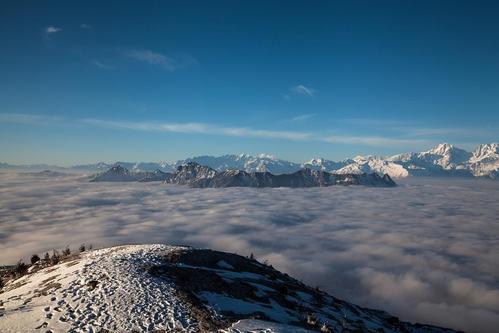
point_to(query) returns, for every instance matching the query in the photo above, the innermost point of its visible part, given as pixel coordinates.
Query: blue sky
(89, 81)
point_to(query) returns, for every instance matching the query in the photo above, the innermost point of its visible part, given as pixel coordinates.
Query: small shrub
(46, 258)
(1, 284)
(34, 259)
(21, 268)
(90, 247)
(82, 248)
(55, 257)
(282, 289)
(66, 252)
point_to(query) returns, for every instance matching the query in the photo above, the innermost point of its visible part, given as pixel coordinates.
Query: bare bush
(55, 257)
(66, 252)
(34, 259)
(21, 268)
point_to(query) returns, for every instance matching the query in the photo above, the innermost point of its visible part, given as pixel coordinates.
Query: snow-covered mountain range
(196, 175)
(442, 160)
(160, 288)
(201, 176)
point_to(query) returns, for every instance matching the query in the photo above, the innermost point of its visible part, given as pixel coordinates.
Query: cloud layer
(426, 251)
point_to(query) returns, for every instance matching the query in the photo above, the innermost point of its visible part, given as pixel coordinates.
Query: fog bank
(426, 250)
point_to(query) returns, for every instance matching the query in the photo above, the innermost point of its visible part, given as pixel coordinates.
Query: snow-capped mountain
(192, 173)
(325, 165)
(161, 288)
(447, 156)
(119, 173)
(441, 159)
(370, 164)
(248, 163)
(484, 161)
(448, 160)
(155, 176)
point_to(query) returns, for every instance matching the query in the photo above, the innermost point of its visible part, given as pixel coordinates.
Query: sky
(82, 82)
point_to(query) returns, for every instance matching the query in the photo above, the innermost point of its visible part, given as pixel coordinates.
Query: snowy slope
(148, 288)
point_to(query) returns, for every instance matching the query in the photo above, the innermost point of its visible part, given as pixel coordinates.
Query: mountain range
(201, 176)
(442, 160)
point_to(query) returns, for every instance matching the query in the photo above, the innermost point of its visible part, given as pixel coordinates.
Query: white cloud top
(397, 249)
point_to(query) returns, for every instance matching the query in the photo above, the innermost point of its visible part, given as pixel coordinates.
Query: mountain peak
(442, 149)
(266, 156)
(316, 161)
(487, 149)
(118, 169)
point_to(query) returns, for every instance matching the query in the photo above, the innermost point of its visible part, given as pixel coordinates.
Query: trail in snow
(123, 294)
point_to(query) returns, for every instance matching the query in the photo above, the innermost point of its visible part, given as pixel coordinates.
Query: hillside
(160, 288)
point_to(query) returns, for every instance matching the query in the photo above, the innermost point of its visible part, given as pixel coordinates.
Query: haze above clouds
(426, 250)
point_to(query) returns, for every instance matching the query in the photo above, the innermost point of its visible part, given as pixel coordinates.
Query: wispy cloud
(153, 58)
(24, 118)
(303, 117)
(211, 129)
(99, 64)
(216, 129)
(201, 128)
(376, 141)
(52, 30)
(302, 90)
(85, 26)
(416, 129)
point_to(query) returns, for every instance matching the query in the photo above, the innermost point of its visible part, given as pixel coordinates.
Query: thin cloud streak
(375, 141)
(214, 129)
(411, 129)
(52, 30)
(303, 117)
(201, 128)
(24, 118)
(99, 64)
(153, 58)
(302, 90)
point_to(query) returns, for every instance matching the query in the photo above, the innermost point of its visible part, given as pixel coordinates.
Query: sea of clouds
(427, 250)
